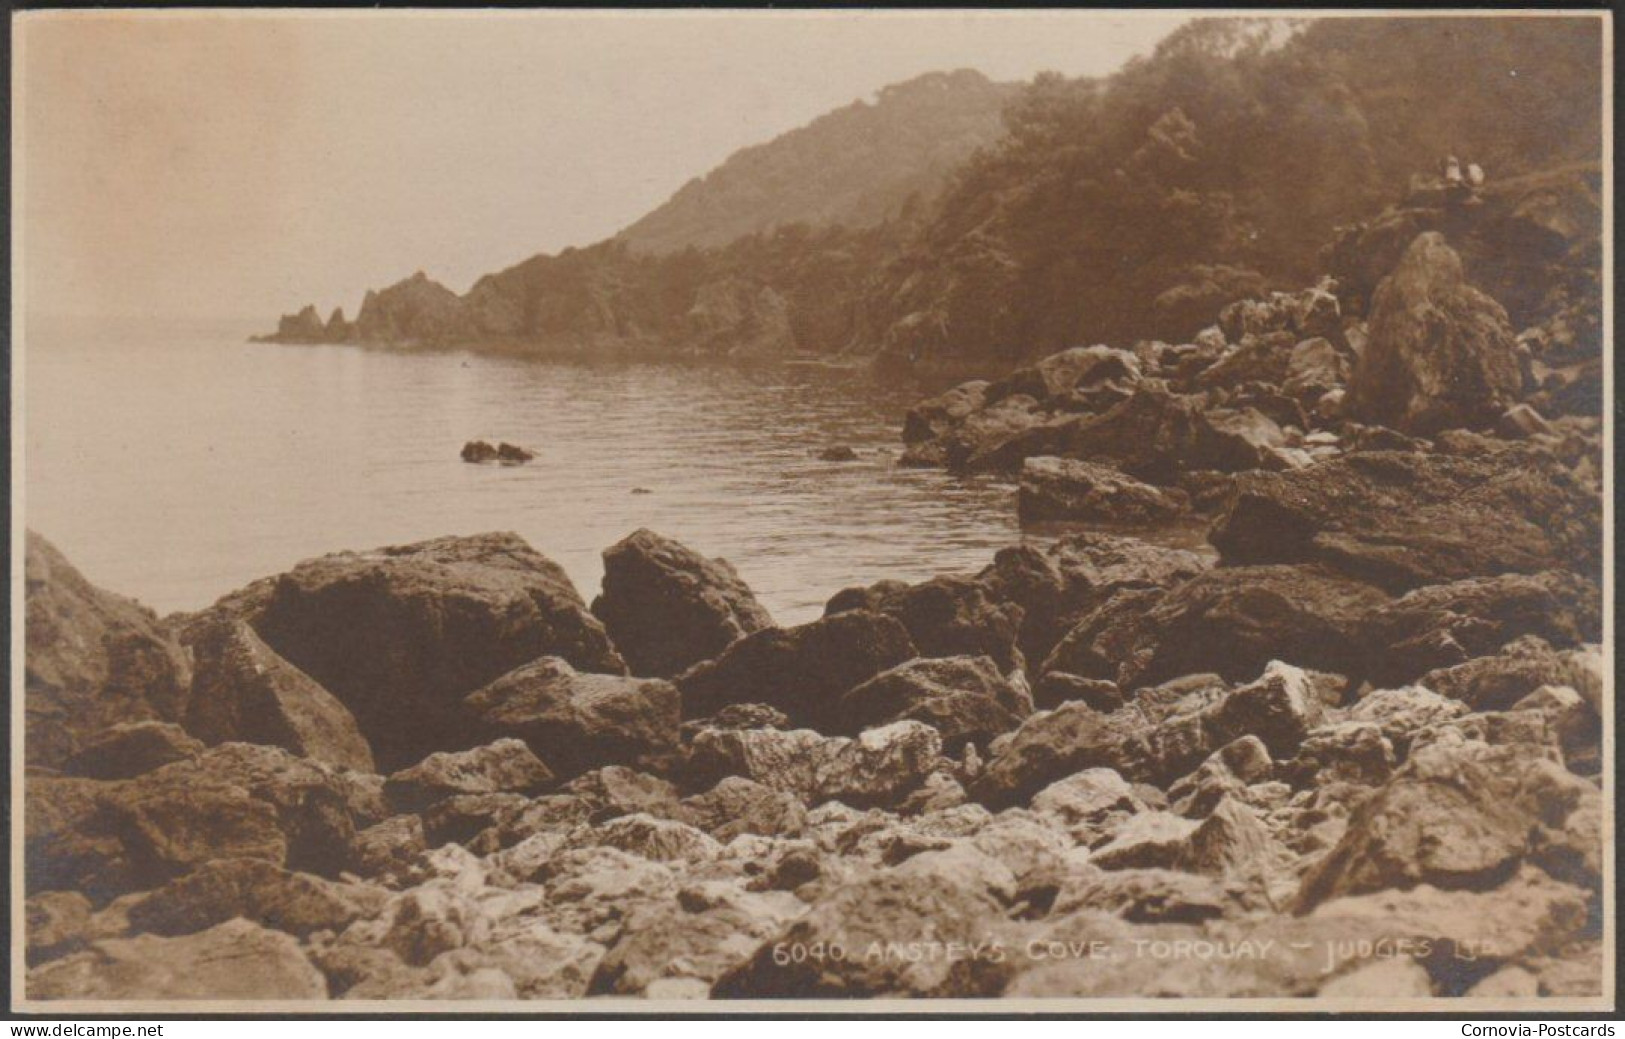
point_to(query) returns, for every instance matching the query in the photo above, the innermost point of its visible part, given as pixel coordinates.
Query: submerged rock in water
(667, 607)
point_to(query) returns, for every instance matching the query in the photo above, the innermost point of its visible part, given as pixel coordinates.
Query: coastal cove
(178, 463)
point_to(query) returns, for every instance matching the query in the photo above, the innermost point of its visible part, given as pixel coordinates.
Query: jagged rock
(697, 937)
(91, 659)
(1230, 620)
(1068, 489)
(513, 454)
(1520, 422)
(1444, 625)
(1258, 358)
(658, 840)
(217, 891)
(930, 420)
(55, 923)
(1057, 687)
(878, 767)
(737, 805)
(802, 670)
(887, 911)
(1152, 435)
(506, 766)
(1576, 723)
(1400, 713)
(304, 327)
(1345, 752)
(1151, 740)
(668, 608)
(617, 790)
(945, 616)
(1312, 311)
(1405, 519)
(391, 847)
(232, 801)
(738, 716)
(1056, 587)
(234, 960)
(1498, 681)
(1227, 772)
(1232, 440)
(415, 310)
(131, 749)
(243, 692)
(1440, 353)
(837, 453)
(993, 436)
(478, 451)
(966, 699)
(577, 721)
(1088, 803)
(1459, 814)
(1059, 374)
(1315, 368)
(462, 817)
(400, 635)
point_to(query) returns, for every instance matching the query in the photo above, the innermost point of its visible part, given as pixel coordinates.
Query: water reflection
(176, 468)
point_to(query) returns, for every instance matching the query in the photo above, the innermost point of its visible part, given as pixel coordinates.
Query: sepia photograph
(852, 511)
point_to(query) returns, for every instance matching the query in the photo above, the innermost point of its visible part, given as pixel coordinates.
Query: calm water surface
(175, 467)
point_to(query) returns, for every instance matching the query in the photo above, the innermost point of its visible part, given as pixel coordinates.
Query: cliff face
(1114, 210)
(855, 167)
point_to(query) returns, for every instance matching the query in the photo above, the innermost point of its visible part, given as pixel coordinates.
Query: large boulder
(1448, 624)
(576, 721)
(400, 635)
(966, 699)
(667, 607)
(1404, 519)
(1068, 489)
(242, 691)
(1163, 735)
(506, 766)
(1440, 353)
(945, 616)
(1464, 814)
(236, 800)
(1229, 620)
(234, 960)
(802, 671)
(878, 767)
(131, 749)
(1059, 585)
(91, 660)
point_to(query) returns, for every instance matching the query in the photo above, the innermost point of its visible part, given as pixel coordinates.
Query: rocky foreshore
(1351, 748)
(1336, 763)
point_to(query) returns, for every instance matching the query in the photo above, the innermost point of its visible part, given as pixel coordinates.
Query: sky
(235, 165)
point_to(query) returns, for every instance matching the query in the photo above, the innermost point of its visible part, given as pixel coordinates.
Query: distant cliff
(855, 167)
(1106, 210)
